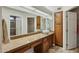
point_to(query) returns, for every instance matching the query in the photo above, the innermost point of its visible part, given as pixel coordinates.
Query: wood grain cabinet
(50, 39)
(45, 45)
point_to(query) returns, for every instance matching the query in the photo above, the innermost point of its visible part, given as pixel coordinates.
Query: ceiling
(53, 8)
(47, 9)
(42, 8)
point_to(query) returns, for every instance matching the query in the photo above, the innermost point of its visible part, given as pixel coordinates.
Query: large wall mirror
(32, 24)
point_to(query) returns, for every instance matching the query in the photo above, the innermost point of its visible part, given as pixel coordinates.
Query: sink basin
(45, 31)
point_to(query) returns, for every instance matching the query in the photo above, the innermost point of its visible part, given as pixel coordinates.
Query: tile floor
(58, 49)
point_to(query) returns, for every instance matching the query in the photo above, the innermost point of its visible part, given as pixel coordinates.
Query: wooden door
(38, 22)
(59, 28)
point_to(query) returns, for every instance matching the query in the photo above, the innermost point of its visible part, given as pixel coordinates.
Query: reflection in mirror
(45, 24)
(30, 24)
(15, 25)
(48, 24)
(38, 23)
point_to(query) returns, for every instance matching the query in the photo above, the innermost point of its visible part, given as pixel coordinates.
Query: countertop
(22, 41)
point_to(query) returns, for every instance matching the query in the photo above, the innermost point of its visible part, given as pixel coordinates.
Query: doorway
(76, 10)
(30, 24)
(59, 28)
(71, 28)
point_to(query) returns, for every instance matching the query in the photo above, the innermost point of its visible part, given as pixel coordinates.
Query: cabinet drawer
(36, 43)
(20, 49)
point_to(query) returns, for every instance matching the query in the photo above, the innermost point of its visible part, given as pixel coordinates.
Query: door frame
(55, 25)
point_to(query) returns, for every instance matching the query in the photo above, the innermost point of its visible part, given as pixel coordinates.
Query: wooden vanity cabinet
(43, 47)
(47, 42)
(38, 48)
(50, 39)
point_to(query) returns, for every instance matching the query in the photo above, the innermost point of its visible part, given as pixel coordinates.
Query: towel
(5, 32)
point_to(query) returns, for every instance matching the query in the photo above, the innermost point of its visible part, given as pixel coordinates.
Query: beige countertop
(22, 41)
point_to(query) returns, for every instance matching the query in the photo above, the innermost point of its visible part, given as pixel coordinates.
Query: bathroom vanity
(40, 42)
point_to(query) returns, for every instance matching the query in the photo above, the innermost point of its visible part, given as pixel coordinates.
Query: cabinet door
(45, 45)
(50, 39)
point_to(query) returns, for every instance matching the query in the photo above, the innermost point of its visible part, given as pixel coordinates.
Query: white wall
(18, 25)
(64, 29)
(1, 37)
(52, 24)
